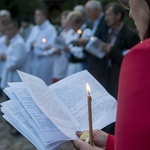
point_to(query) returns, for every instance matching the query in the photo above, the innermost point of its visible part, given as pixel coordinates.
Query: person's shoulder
(141, 49)
(143, 45)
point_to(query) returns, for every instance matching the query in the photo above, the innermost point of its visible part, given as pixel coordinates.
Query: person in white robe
(40, 44)
(25, 28)
(77, 55)
(3, 48)
(15, 54)
(61, 56)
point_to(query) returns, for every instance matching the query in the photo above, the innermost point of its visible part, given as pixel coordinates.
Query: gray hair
(94, 4)
(79, 8)
(4, 12)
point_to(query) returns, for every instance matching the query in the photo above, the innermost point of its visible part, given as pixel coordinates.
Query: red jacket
(133, 114)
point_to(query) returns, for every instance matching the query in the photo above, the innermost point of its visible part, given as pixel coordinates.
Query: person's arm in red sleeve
(110, 142)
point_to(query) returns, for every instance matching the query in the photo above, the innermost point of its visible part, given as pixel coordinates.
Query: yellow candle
(89, 98)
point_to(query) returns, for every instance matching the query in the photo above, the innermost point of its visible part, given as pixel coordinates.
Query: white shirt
(42, 59)
(61, 60)
(96, 23)
(3, 48)
(15, 60)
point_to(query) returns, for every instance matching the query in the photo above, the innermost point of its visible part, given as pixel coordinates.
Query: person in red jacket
(133, 114)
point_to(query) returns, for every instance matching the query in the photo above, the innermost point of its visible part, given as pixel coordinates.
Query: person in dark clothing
(95, 65)
(120, 39)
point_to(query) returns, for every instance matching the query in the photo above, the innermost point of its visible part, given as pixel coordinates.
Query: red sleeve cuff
(110, 142)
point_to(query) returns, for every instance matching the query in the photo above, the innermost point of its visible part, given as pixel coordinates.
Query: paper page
(94, 47)
(19, 106)
(49, 104)
(71, 92)
(65, 102)
(60, 43)
(14, 117)
(48, 131)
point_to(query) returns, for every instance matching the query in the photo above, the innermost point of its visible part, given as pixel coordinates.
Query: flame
(88, 88)
(79, 31)
(92, 38)
(43, 40)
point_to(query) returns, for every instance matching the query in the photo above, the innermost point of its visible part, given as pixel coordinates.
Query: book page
(94, 47)
(49, 104)
(14, 117)
(71, 92)
(65, 102)
(47, 130)
(19, 106)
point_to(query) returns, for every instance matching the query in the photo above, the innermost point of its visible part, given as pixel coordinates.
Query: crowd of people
(51, 55)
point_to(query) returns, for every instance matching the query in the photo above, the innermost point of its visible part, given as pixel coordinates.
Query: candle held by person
(89, 99)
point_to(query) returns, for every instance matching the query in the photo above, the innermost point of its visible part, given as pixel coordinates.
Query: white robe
(30, 57)
(3, 48)
(61, 60)
(15, 60)
(77, 51)
(43, 59)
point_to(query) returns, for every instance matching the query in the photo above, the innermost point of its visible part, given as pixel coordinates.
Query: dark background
(21, 8)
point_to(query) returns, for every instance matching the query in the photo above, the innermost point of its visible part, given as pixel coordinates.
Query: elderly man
(95, 65)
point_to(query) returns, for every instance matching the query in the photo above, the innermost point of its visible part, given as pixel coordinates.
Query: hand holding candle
(89, 98)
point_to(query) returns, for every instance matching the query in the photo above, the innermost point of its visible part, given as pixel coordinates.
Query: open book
(49, 116)
(94, 47)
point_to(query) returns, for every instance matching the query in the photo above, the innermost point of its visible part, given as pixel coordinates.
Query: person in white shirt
(3, 48)
(77, 55)
(15, 54)
(61, 57)
(39, 45)
(26, 27)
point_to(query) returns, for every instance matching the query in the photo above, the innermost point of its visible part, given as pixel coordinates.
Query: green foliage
(20, 8)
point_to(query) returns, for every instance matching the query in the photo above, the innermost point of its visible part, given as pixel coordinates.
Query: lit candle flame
(43, 40)
(92, 38)
(79, 31)
(88, 88)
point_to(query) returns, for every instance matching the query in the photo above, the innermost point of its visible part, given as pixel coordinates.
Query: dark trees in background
(21, 8)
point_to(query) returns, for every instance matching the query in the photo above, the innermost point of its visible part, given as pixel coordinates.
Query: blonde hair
(75, 17)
